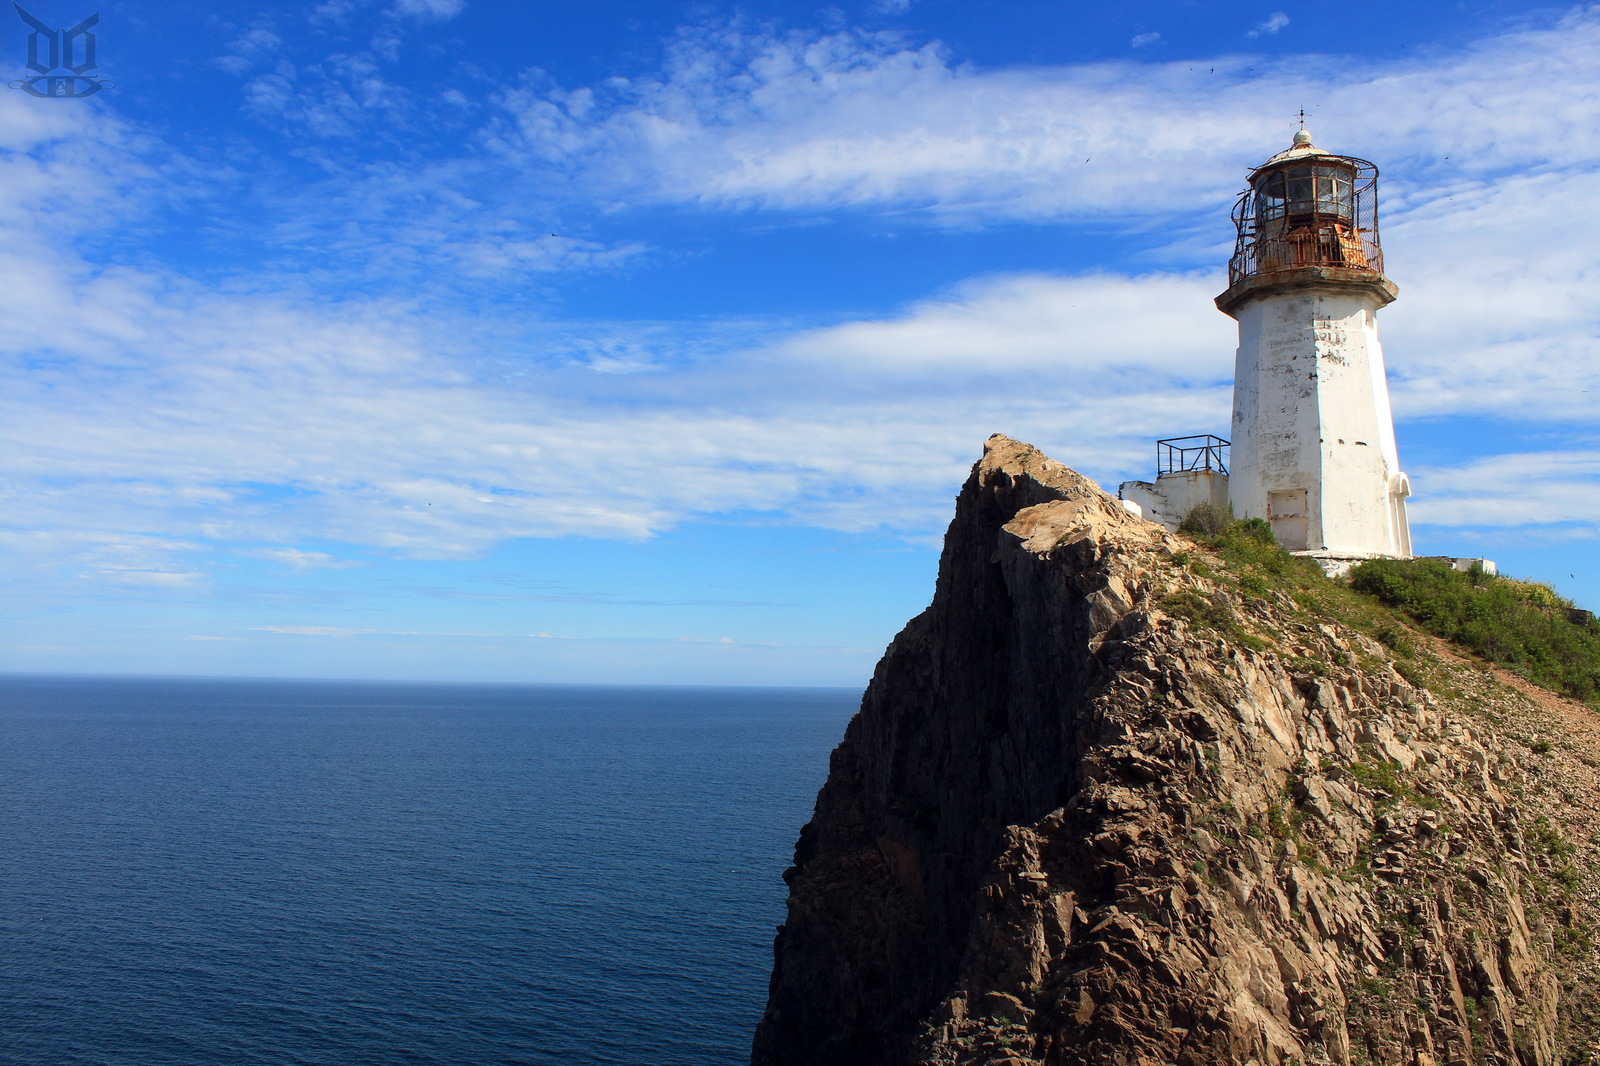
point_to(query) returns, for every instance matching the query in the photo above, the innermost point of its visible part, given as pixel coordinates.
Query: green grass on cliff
(1522, 625)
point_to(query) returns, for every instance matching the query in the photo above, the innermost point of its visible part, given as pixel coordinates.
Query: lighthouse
(1313, 438)
(1311, 448)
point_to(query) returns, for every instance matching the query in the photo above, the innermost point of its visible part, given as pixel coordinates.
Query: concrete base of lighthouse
(1337, 565)
(1173, 495)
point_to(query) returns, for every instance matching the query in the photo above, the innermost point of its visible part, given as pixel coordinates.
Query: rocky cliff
(1105, 802)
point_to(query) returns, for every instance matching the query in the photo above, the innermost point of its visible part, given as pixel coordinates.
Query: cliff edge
(1105, 802)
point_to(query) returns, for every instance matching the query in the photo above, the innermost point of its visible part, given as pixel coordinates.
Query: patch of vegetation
(1396, 639)
(1302, 665)
(1411, 672)
(1358, 871)
(1379, 776)
(1206, 520)
(1523, 625)
(1209, 612)
(1197, 608)
(1284, 825)
(1252, 554)
(1254, 584)
(1548, 839)
(1390, 779)
(1576, 943)
(1369, 995)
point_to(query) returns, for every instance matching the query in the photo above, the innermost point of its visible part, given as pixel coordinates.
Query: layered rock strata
(1071, 825)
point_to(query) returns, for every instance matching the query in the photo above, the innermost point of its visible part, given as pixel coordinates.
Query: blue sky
(624, 342)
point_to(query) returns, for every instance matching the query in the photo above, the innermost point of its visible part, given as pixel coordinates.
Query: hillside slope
(1106, 803)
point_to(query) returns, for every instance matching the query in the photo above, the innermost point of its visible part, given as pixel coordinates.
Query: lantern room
(1307, 208)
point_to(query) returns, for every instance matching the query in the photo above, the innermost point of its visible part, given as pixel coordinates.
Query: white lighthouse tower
(1313, 439)
(1312, 442)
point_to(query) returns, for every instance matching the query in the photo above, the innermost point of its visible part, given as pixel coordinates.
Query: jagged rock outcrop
(1071, 825)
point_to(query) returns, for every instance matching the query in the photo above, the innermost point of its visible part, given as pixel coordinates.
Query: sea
(199, 872)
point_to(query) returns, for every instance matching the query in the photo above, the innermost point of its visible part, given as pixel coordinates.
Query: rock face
(1069, 826)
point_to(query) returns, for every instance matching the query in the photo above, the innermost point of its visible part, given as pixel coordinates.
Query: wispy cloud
(1040, 324)
(1274, 22)
(340, 96)
(1144, 40)
(1497, 314)
(341, 632)
(1527, 489)
(247, 420)
(298, 559)
(429, 10)
(145, 578)
(256, 413)
(745, 119)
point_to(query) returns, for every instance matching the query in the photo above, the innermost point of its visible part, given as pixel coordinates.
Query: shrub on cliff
(1521, 624)
(1205, 520)
(1249, 549)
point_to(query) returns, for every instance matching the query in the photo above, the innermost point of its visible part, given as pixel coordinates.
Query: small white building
(1312, 442)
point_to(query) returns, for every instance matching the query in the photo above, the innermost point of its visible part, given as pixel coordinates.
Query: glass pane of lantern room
(1269, 196)
(1302, 191)
(1333, 193)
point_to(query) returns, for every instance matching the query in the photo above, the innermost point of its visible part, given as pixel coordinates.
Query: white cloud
(861, 120)
(298, 559)
(215, 419)
(337, 97)
(492, 255)
(428, 10)
(248, 419)
(132, 399)
(1275, 22)
(1499, 310)
(149, 578)
(334, 11)
(1144, 40)
(1041, 324)
(1527, 489)
(258, 45)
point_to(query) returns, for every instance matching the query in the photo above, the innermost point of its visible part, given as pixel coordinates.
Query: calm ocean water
(206, 872)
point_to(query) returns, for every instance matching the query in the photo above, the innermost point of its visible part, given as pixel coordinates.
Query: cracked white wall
(1313, 448)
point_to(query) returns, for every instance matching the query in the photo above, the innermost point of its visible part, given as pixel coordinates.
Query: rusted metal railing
(1177, 455)
(1316, 211)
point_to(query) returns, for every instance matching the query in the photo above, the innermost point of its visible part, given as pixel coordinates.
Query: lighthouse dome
(1302, 148)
